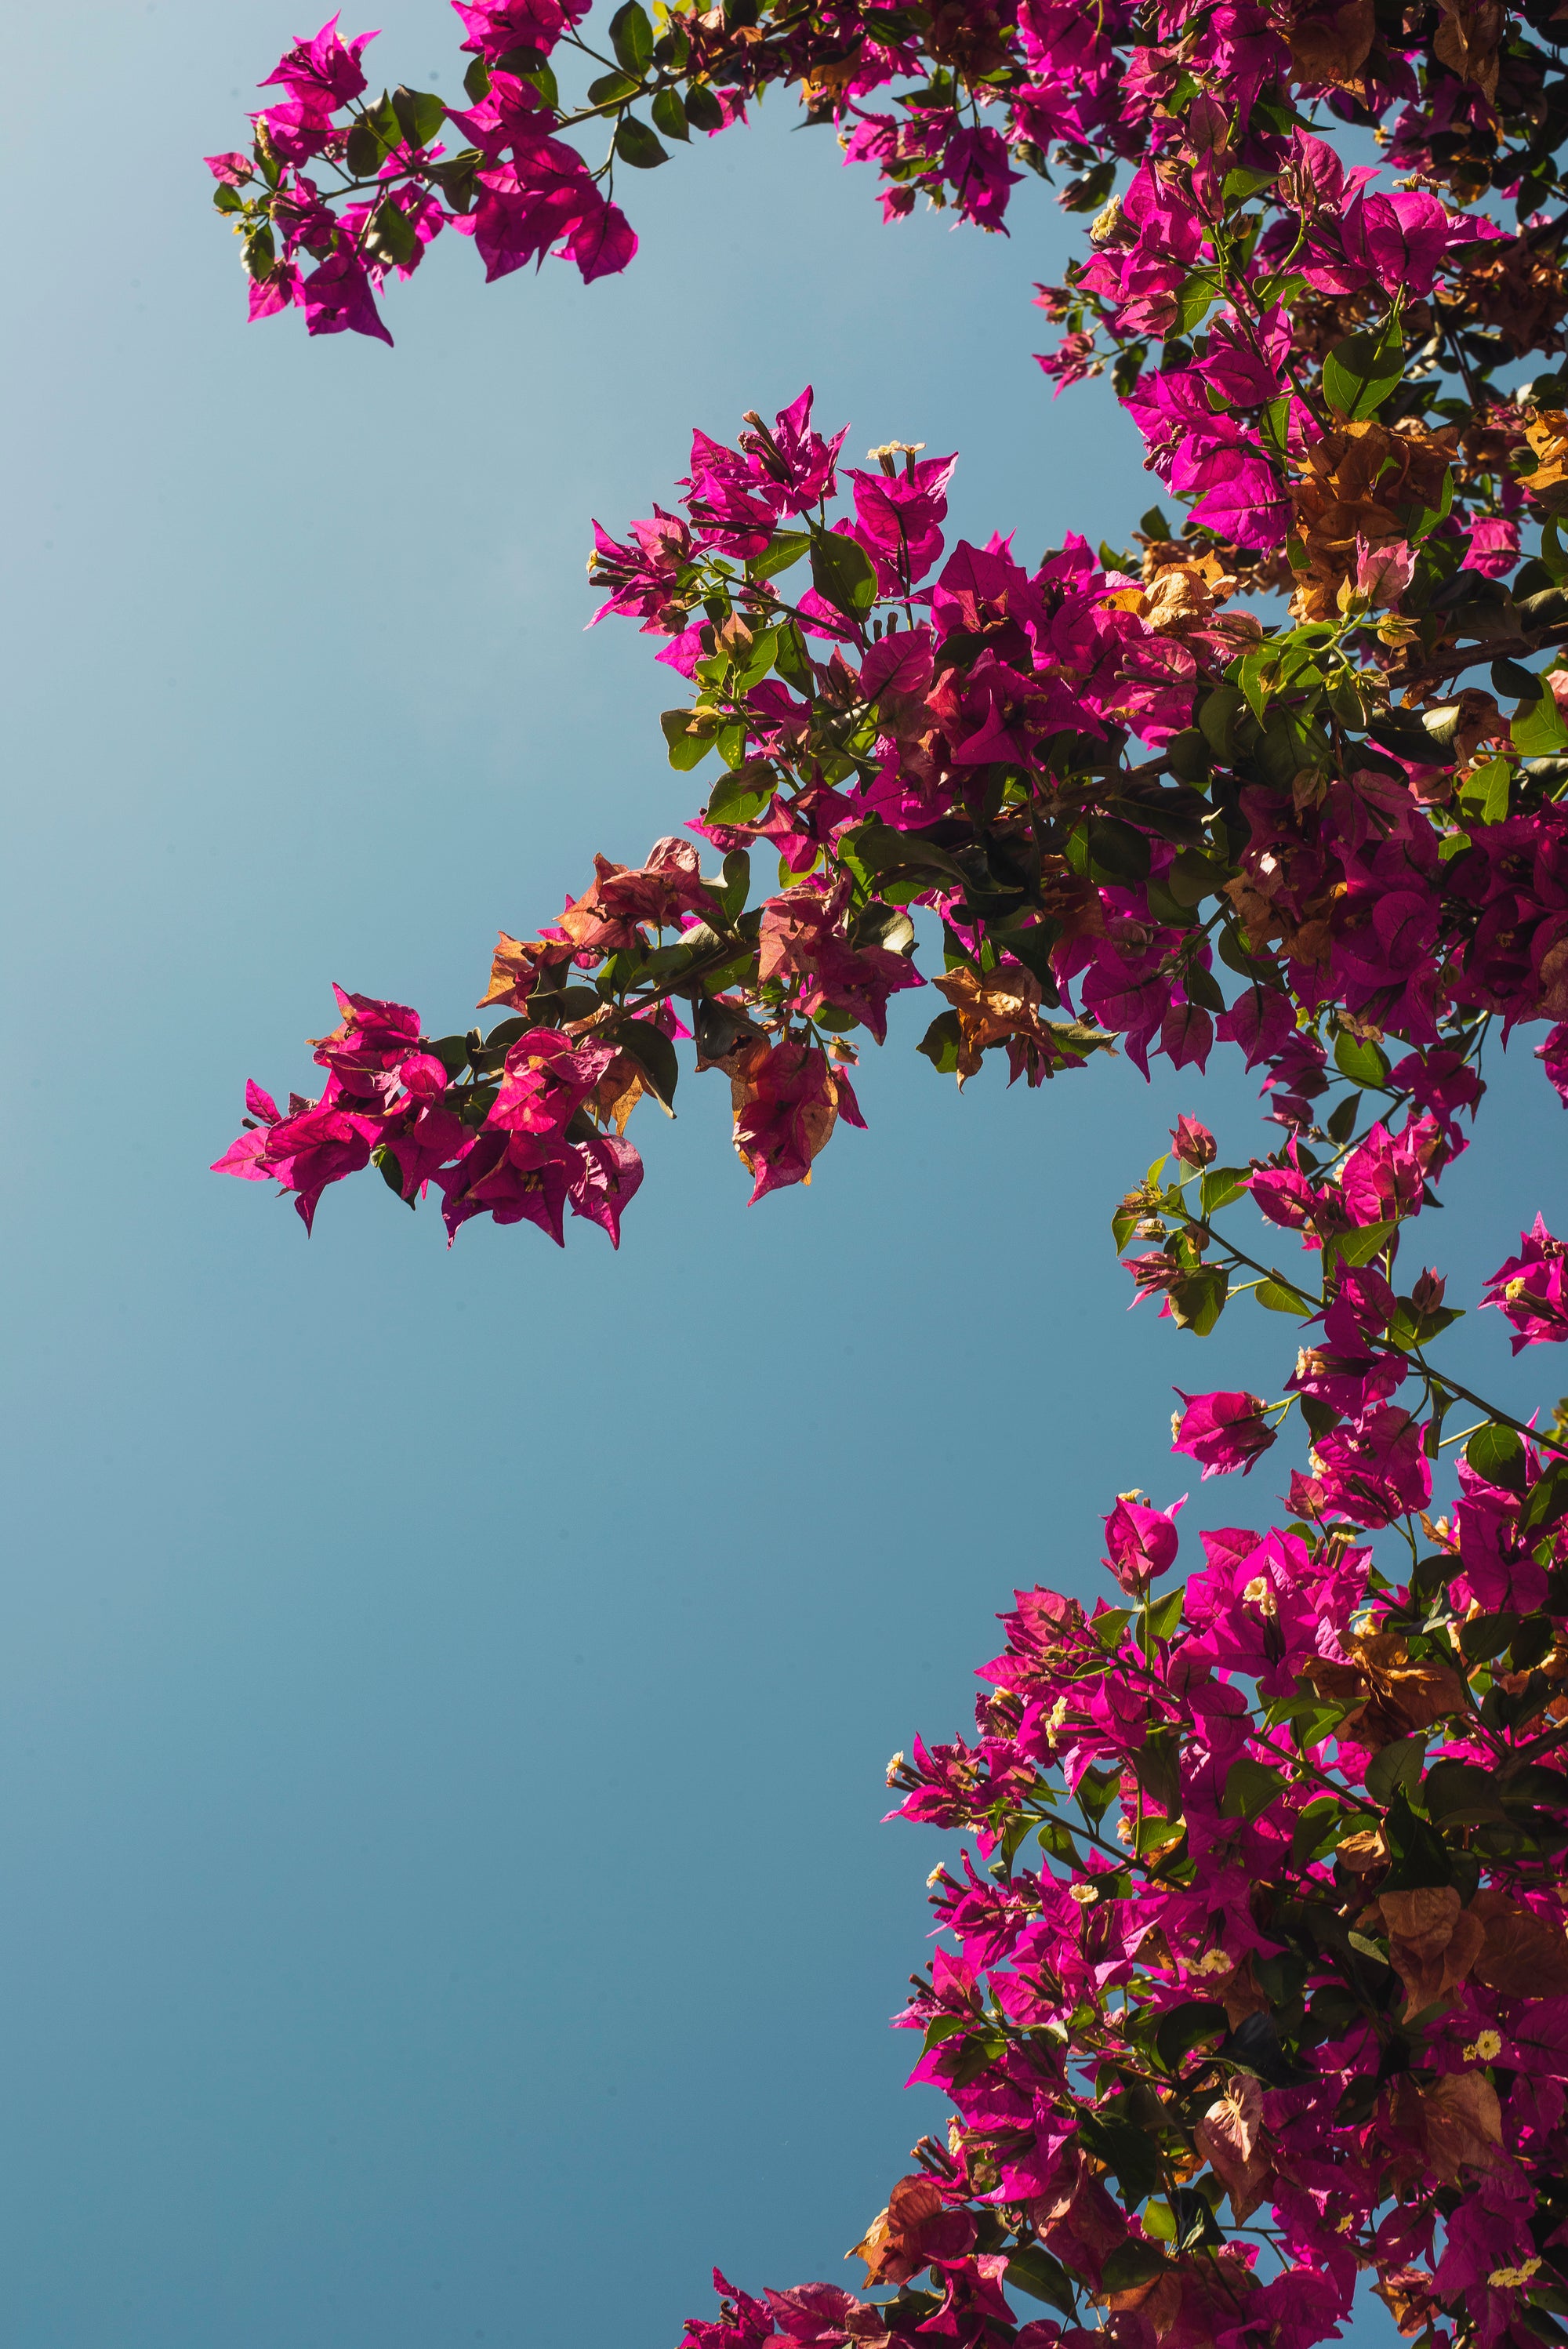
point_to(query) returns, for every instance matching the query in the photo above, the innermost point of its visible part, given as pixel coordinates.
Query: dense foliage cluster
(1256, 1980)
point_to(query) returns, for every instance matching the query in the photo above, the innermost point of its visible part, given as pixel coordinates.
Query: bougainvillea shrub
(1254, 1983)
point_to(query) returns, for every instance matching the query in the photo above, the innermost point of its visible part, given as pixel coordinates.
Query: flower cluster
(1255, 1981)
(945, 729)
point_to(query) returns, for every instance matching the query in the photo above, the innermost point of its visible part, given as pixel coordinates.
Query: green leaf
(881, 849)
(690, 738)
(1157, 1834)
(382, 119)
(1199, 289)
(476, 81)
(1460, 1793)
(1483, 794)
(420, 114)
(1157, 1767)
(1118, 851)
(632, 37)
(1274, 426)
(786, 547)
(1198, 1302)
(737, 883)
(1034, 2270)
(635, 144)
(843, 573)
(1220, 1185)
(1359, 1060)
(1419, 1857)
(1240, 184)
(1132, 2153)
(452, 1052)
(1314, 1828)
(793, 662)
(391, 1173)
(1123, 1223)
(1359, 1247)
(1280, 1298)
(362, 153)
(1202, 988)
(1164, 1614)
(940, 1043)
(1396, 1765)
(1537, 728)
(1535, 1783)
(1057, 1837)
(703, 111)
(1506, 677)
(534, 67)
(1095, 1788)
(946, 2026)
(1496, 1454)
(1320, 1418)
(655, 1055)
(1132, 2263)
(1361, 372)
(752, 665)
(883, 925)
(731, 741)
(669, 116)
(1182, 2028)
(390, 236)
(1256, 676)
(611, 89)
(737, 797)
(980, 2050)
(1217, 715)
(1109, 1627)
(1250, 1788)
(1548, 1497)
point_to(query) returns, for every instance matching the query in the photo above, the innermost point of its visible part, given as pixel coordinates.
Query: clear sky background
(444, 1697)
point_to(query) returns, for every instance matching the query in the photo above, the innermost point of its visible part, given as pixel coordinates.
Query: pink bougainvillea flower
(545, 1081)
(804, 936)
(1224, 1431)
(1553, 1056)
(336, 297)
(324, 70)
(1193, 1143)
(1382, 571)
(1531, 1290)
(787, 1098)
(1245, 503)
(796, 465)
(897, 519)
(1141, 1541)
(1493, 548)
(1377, 1472)
(975, 162)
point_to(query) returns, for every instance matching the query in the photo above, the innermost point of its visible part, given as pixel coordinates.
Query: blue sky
(444, 1697)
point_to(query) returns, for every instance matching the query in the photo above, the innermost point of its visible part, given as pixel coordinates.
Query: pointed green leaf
(635, 144)
(632, 37)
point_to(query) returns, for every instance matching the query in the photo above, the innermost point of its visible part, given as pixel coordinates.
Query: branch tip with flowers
(1255, 1981)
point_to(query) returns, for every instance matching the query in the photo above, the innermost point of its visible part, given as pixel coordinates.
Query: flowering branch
(1300, 1942)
